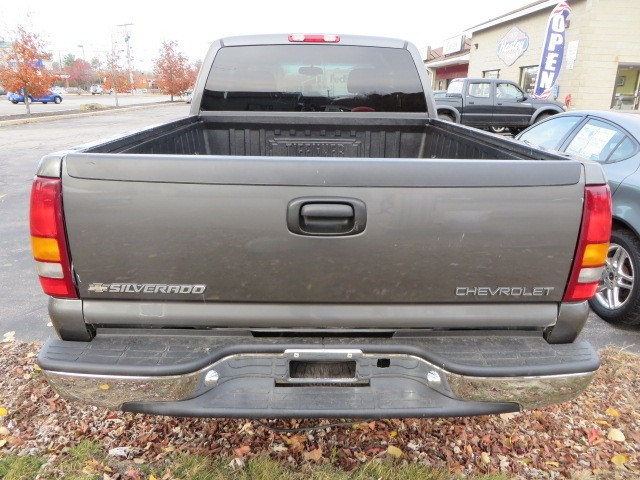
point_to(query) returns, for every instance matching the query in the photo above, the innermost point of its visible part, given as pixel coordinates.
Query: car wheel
(446, 117)
(14, 102)
(499, 129)
(57, 100)
(542, 116)
(617, 299)
(44, 103)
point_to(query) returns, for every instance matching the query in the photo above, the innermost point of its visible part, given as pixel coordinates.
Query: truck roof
(283, 39)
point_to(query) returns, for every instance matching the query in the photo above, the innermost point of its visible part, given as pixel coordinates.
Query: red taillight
(299, 37)
(48, 239)
(591, 252)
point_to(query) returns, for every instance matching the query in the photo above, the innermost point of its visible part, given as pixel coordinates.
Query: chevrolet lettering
(506, 291)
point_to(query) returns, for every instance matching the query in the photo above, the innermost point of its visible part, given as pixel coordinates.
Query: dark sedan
(613, 140)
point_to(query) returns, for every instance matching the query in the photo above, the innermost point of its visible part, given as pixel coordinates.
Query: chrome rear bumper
(411, 375)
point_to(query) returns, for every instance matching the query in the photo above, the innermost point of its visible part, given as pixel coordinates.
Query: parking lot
(72, 101)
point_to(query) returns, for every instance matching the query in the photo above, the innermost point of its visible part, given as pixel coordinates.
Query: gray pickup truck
(493, 103)
(311, 241)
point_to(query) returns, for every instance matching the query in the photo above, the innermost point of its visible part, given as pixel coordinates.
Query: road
(22, 303)
(74, 102)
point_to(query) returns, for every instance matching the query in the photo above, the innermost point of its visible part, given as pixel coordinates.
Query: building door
(626, 92)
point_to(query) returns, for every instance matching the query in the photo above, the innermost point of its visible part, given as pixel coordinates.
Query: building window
(491, 74)
(528, 77)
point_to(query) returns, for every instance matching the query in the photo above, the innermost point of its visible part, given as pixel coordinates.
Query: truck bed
(357, 136)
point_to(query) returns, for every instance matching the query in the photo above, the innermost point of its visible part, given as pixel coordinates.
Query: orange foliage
(115, 76)
(173, 74)
(24, 69)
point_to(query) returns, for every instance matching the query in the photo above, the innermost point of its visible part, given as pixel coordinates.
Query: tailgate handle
(326, 216)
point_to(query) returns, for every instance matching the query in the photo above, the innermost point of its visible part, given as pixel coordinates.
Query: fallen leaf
(4, 431)
(152, 477)
(278, 447)
(3, 443)
(3, 412)
(619, 459)
(393, 434)
(395, 451)
(314, 455)
(553, 464)
(138, 461)
(508, 416)
(612, 411)
(602, 422)
(484, 456)
(104, 386)
(241, 451)
(594, 434)
(616, 435)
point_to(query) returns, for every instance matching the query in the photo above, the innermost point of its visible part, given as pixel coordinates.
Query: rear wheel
(542, 116)
(618, 297)
(57, 100)
(446, 117)
(498, 129)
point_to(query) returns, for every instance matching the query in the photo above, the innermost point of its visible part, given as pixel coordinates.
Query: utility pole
(127, 37)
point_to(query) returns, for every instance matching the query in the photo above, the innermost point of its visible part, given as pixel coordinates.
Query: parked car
(493, 102)
(16, 98)
(613, 140)
(58, 90)
(96, 89)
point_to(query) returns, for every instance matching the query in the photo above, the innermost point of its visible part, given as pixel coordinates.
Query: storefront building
(601, 64)
(448, 62)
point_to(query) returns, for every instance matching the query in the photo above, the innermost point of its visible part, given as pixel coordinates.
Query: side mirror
(524, 97)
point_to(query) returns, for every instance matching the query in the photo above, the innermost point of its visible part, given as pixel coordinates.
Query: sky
(85, 28)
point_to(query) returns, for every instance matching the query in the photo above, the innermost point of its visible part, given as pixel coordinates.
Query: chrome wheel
(617, 281)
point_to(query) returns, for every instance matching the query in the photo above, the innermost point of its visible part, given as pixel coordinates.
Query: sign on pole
(552, 51)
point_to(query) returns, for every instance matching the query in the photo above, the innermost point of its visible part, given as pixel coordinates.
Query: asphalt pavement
(23, 306)
(75, 102)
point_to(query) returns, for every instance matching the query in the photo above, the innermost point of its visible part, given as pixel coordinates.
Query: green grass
(20, 468)
(91, 457)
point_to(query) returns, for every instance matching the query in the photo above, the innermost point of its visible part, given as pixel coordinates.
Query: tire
(57, 100)
(14, 102)
(446, 117)
(498, 129)
(618, 297)
(44, 103)
(542, 116)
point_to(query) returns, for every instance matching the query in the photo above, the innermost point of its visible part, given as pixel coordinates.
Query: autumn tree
(172, 70)
(115, 75)
(24, 70)
(80, 73)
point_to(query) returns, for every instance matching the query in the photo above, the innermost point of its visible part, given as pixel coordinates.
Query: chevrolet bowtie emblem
(98, 287)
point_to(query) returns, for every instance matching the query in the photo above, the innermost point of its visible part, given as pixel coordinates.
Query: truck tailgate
(214, 229)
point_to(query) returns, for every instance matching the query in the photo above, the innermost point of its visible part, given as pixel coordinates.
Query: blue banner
(552, 51)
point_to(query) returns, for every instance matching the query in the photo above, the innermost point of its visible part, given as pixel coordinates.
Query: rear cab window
(313, 78)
